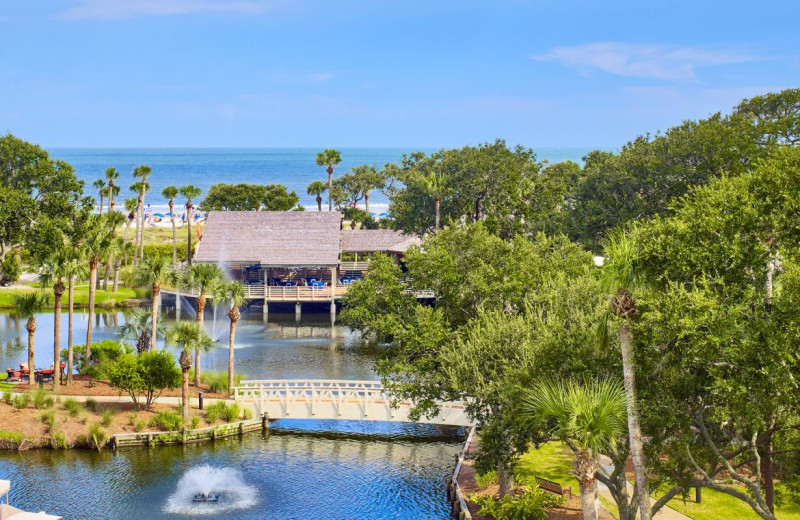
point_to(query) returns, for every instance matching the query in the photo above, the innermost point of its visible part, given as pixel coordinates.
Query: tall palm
(142, 172)
(154, 271)
(112, 192)
(95, 247)
(434, 184)
(113, 219)
(622, 277)
(120, 248)
(589, 417)
(317, 188)
(232, 293)
(138, 327)
(206, 279)
(170, 192)
(100, 186)
(74, 270)
(130, 207)
(53, 271)
(112, 175)
(331, 158)
(187, 336)
(28, 305)
(190, 192)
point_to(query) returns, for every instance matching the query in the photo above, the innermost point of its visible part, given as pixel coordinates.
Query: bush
(91, 404)
(42, 399)
(530, 506)
(21, 401)
(97, 436)
(169, 421)
(103, 354)
(218, 381)
(72, 406)
(59, 441)
(486, 480)
(108, 417)
(195, 422)
(49, 419)
(138, 424)
(221, 410)
(148, 374)
(247, 414)
(10, 269)
(166, 249)
(7, 397)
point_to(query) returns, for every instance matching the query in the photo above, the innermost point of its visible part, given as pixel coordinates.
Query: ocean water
(202, 167)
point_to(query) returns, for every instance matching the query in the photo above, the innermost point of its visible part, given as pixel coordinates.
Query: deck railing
(358, 265)
(293, 294)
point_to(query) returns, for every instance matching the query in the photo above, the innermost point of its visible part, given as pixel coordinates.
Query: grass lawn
(5, 387)
(163, 235)
(716, 505)
(81, 296)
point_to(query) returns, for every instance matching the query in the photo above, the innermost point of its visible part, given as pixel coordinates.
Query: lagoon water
(301, 469)
(202, 167)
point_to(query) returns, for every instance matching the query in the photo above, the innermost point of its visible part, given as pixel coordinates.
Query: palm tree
(73, 270)
(622, 276)
(331, 158)
(589, 417)
(120, 248)
(113, 190)
(142, 172)
(28, 305)
(100, 186)
(98, 240)
(434, 184)
(190, 192)
(130, 207)
(53, 271)
(154, 271)
(170, 192)
(206, 279)
(232, 293)
(138, 327)
(317, 188)
(113, 219)
(187, 336)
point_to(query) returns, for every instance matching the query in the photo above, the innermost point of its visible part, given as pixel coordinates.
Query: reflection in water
(294, 476)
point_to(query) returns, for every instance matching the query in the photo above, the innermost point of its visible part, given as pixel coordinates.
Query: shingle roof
(372, 240)
(278, 238)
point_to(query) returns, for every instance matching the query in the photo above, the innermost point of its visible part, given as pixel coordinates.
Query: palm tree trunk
(319, 202)
(92, 290)
(154, 324)
(185, 397)
(330, 187)
(116, 274)
(141, 240)
(506, 480)
(71, 304)
(31, 326)
(588, 489)
(174, 236)
(230, 355)
(201, 308)
(107, 272)
(127, 227)
(58, 292)
(437, 213)
(110, 196)
(366, 201)
(637, 446)
(101, 203)
(189, 234)
(139, 224)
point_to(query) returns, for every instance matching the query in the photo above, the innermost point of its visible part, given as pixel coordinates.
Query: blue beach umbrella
(373, 214)
(384, 214)
(158, 215)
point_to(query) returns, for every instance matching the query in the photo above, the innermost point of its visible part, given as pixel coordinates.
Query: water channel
(301, 469)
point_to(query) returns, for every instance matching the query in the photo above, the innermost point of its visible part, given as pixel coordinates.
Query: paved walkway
(665, 513)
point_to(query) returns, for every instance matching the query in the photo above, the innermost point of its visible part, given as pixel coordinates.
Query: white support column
(298, 309)
(333, 292)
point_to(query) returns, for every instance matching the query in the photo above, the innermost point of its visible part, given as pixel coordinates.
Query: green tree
(317, 188)
(138, 327)
(589, 417)
(74, 269)
(28, 305)
(146, 375)
(189, 192)
(100, 186)
(206, 279)
(95, 247)
(169, 193)
(154, 271)
(776, 116)
(234, 197)
(112, 176)
(278, 198)
(188, 337)
(53, 271)
(232, 293)
(141, 172)
(330, 158)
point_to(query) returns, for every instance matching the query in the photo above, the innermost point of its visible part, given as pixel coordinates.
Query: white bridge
(329, 399)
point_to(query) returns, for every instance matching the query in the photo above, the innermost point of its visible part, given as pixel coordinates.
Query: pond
(301, 469)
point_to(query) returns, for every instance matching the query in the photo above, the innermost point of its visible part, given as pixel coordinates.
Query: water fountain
(206, 490)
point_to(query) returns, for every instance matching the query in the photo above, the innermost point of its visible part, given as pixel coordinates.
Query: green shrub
(108, 417)
(530, 506)
(486, 480)
(42, 399)
(91, 404)
(97, 436)
(10, 269)
(14, 437)
(72, 406)
(215, 411)
(103, 354)
(145, 375)
(166, 420)
(49, 419)
(247, 414)
(21, 401)
(59, 441)
(218, 381)
(195, 422)
(232, 413)
(138, 424)
(7, 397)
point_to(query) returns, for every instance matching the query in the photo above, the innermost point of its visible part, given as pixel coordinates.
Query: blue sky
(272, 73)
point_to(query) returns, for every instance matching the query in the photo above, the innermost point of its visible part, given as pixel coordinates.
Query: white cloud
(664, 62)
(120, 9)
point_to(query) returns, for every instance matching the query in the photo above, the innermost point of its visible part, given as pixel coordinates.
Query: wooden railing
(293, 294)
(359, 265)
